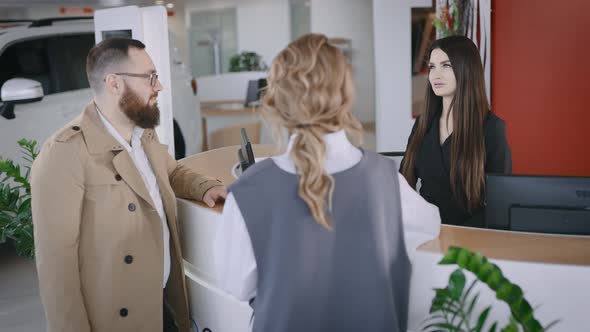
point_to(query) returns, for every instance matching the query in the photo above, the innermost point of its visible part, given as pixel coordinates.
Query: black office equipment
(245, 153)
(254, 92)
(543, 204)
(243, 162)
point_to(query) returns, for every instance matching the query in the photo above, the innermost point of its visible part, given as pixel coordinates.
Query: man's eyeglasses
(152, 78)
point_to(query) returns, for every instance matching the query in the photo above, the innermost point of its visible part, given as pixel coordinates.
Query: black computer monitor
(542, 204)
(253, 93)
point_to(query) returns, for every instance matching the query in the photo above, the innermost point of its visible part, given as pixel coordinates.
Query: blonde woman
(314, 238)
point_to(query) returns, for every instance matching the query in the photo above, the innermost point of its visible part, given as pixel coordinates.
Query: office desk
(220, 108)
(515, 246)
(553, 270)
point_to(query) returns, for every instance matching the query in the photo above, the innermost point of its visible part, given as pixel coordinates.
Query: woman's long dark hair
(469, 109)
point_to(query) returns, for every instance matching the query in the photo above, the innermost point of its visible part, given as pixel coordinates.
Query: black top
(433, 164)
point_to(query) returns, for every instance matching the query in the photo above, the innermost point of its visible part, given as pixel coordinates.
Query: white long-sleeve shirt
(233, 252)
(137, 154)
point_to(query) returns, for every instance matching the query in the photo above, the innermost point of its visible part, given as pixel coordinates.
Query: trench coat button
(118, 177)
(123, 312)
(131, 207)
(128, 259)
(76, 128)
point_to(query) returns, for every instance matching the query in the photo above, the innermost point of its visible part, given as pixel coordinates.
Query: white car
(44, 85)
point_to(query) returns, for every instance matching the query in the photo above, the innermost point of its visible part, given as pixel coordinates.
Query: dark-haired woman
(457, 140)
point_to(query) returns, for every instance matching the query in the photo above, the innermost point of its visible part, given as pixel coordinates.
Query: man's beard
(141, 114)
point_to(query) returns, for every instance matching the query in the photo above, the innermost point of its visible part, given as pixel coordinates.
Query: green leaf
(246, 61)
(25, 206)
(431, 318)
(532, 325)
(439, 301)
(521, 309)
(463, 258)
(443, 296)
(15, 200)
(447, 302)
(476, 262)
(447, 307)
(495, 278)
(482, 318)
(451, 256)
(485, 270)
(5, 218)
(456, 284)
(468, 291)
(515, 295)
(441, 293)
(472, 304)
(504, 290)
(446, 326)
(8, 199)
(28, 233)
(493, 327)
(511, 327)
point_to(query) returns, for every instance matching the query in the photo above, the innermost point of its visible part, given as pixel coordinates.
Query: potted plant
(246, 61)
(454, 18)
(452, 307)
(16, 222)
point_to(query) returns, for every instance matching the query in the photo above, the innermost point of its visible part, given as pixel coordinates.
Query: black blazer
(433, 166)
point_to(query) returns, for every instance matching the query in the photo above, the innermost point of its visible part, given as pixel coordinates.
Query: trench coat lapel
(99, 141)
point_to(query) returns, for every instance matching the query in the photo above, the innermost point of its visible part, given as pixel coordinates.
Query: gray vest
(353, 278)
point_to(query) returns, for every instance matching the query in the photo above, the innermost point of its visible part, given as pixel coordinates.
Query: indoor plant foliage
(246, 61)
(453, 17)
(16, 222)
(452, 307)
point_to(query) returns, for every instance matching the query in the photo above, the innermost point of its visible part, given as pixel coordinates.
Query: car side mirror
(18, 91)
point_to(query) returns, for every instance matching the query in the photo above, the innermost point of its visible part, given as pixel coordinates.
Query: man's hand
(215, 194)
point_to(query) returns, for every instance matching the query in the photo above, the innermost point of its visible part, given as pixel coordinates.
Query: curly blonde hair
(310, 93)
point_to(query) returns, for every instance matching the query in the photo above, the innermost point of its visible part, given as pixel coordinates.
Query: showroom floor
(20, 305)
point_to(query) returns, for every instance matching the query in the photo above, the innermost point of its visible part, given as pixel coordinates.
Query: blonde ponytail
(310, 92)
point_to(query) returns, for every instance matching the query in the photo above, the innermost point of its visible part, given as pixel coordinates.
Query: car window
(57, 62)
(67, 61)
(26, 59)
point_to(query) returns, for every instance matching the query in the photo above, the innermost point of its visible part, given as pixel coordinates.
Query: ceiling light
(170, 5)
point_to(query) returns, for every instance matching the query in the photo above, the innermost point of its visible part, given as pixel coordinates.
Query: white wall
(393, 80)
(352, 19)
(263, 25)
(177, 25)
(228, 86)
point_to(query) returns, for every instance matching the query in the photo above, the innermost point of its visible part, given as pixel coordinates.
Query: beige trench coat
(98, 236)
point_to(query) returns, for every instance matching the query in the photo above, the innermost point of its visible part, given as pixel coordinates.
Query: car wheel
(179, 146)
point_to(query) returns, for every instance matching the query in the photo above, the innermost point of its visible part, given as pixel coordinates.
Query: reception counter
(553, 270)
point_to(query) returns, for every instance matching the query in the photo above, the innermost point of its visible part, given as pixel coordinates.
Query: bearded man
(104, 209)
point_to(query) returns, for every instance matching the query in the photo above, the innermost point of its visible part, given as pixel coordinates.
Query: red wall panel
(541, 83)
